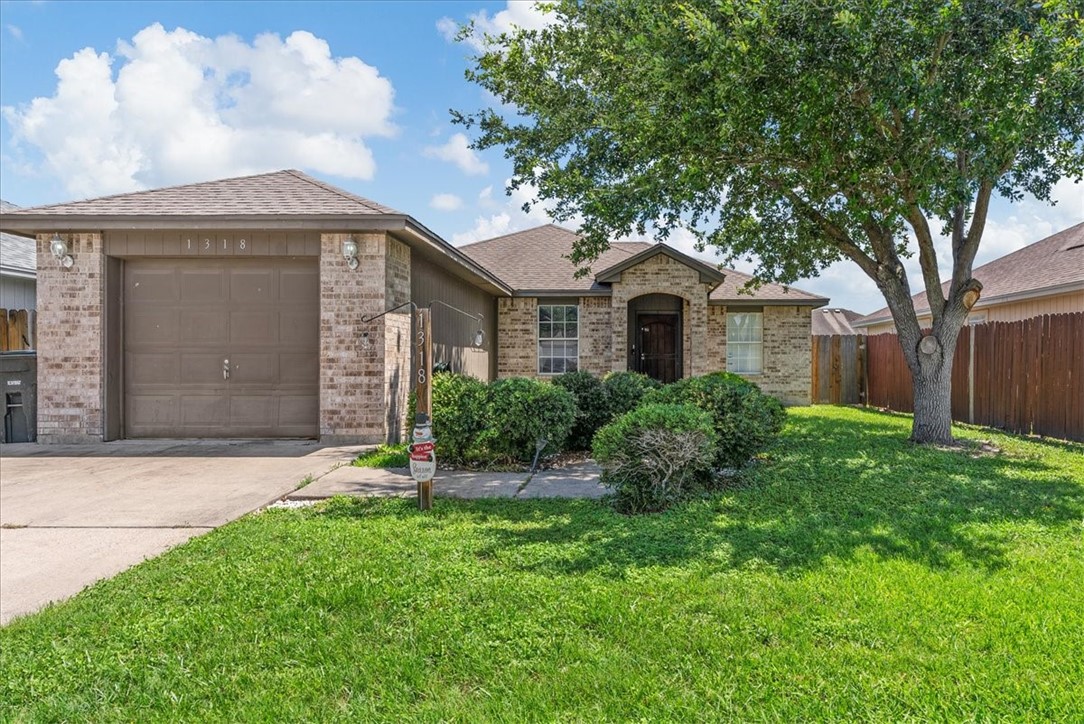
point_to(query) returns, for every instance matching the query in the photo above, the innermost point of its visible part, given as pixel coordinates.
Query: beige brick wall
(662, 275)
(69, 341)
(352, 391)
(716, 338)
(517, 337)
(787, 350)
(596, 335)
(397, 339)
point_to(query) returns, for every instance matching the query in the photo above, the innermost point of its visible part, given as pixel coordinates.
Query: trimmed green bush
(626, 389)
(746, 419)
(518, 412)
(592, 406)
(656, 455)
(458, 416)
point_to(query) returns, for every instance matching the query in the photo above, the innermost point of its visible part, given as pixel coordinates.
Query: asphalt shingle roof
(283, 193)
(536, 260)
(1051, 262)
(16, 252)
(834, 321)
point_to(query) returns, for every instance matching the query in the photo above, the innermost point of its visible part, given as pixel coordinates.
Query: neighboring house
(250, 307)
(644, 307)
(835, 321)
(1046, 277)
(18, 270)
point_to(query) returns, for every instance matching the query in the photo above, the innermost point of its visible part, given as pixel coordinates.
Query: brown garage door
(221, 348)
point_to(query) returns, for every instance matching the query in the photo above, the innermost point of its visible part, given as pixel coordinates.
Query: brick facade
(716, 338)
(596, 335)
(787, 350)
(517, 337)
(397, 339)
(69, 341)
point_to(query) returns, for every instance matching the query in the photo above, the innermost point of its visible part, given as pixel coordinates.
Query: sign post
(423, 455)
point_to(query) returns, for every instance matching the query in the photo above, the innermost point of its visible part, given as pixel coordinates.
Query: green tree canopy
(799, 132)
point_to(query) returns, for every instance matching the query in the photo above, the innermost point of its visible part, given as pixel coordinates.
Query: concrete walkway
(73, 514)
(574, 481)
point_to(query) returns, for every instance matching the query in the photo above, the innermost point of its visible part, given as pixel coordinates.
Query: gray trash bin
(19, 396)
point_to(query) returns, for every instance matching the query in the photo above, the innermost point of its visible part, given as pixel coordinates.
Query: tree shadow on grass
(833, 489)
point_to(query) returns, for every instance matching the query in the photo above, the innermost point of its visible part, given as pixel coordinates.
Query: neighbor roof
(18, 256)
(834, 321)
(280, 193)
(535, 262)
(1049, 266)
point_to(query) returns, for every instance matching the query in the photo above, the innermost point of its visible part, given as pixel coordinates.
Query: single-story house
(249, 307)
(832, 321)
(1046, 277)
(18, 270)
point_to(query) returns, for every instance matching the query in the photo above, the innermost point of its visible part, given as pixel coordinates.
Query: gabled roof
(280, 193)
(18, 256)
(834, 321)
(535, 262)
(1049, 266)
(708, 274)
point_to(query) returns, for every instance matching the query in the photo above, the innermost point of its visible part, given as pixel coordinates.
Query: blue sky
(104, 97)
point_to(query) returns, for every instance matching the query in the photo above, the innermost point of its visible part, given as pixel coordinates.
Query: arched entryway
(655, 336)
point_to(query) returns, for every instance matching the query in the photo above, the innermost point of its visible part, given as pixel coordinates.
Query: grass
(384, 456)
(852, 576)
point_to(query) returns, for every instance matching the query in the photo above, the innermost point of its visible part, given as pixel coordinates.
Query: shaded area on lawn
(833, 487)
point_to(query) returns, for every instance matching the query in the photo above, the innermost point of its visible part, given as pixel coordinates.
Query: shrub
(592, 406)
(656, 455)
(626, 389)
(518, 412)
(458, 415)
(745, 418)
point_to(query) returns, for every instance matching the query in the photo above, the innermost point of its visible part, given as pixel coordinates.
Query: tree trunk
(932, 386)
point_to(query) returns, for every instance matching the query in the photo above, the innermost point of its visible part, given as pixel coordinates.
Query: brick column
(69, 341)
(398, 344)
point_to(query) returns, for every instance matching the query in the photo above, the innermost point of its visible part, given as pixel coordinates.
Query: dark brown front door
(657, 346)
(221, 348)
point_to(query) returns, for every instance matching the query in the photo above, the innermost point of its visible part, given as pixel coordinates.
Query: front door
(657, 345)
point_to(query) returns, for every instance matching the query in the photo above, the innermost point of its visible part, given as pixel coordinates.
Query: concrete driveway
(73, 514)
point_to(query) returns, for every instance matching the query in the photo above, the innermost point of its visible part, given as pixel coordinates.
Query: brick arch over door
(662, 275)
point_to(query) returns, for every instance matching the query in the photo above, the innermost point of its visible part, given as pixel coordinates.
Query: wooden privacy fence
(1025, 377)
(839, 369)
(17, 329)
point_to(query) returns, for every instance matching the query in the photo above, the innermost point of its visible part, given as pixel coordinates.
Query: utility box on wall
(19, 396)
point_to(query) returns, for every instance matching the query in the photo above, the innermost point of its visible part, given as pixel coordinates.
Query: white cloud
(174, 106)
(458, 151)
(446, 202)
(15, 31)
(525, 14)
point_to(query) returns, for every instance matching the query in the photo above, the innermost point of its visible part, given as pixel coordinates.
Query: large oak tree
(799, 131)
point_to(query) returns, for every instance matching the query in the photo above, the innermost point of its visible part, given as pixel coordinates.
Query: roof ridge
(515, 233)
(368, 203)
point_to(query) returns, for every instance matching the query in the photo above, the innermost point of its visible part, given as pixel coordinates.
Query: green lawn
(384, 456)
(852, 576)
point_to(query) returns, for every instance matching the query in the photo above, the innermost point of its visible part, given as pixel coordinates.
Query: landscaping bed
(850, 575)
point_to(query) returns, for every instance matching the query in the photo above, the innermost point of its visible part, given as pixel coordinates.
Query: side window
(745, 343)
(558, 338)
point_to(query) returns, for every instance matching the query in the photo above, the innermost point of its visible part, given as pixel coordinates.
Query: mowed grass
(852, 576)
(384, 456)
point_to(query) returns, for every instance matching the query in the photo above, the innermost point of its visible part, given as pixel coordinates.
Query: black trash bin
(19, 391)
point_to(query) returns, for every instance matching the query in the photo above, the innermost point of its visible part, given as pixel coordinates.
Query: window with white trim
(558, 338)
(745, 343)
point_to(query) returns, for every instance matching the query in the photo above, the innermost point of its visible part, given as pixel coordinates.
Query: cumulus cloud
(174, 106)
(525, 14)
(446, 202)
(458, 151)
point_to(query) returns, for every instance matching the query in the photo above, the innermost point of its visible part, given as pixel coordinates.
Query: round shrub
(520, 411)
(626, 389)
(592, 406)
(458, 415)
(656, 455)
(746, 420)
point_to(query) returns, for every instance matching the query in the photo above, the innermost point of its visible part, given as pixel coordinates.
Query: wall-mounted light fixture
(479, 339)
(350, 252)
(59, 247)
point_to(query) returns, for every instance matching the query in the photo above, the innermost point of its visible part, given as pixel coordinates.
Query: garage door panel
(203, 286)
(204, 327)
(152, 285)
(153, 369)
(153, 327)
(262, 314)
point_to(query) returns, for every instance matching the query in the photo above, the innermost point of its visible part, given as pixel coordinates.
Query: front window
(745, 343)
(558, 338)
